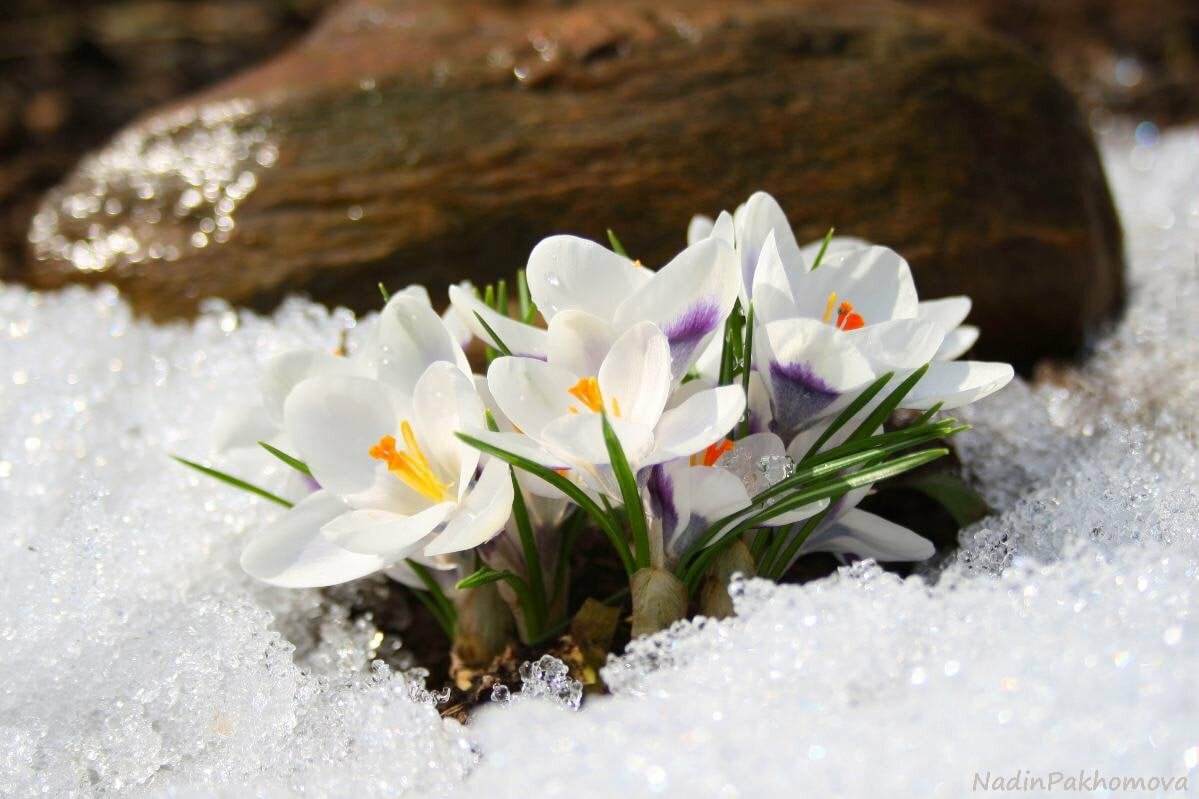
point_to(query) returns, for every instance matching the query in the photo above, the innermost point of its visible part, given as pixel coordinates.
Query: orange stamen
(411, 466)
(712, 453)
(847, 319)
(587, 392)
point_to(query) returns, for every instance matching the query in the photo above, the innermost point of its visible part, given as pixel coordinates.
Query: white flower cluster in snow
(136, 658)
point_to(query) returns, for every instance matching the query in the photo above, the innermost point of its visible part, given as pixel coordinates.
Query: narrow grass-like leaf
(747, 367)
(501, 297)
(528, 543)
(294, 463)
(236, 482)
(572, 491)
(499, 342)
(617, 247)
(963, 503)
(426, 599)
(628, 493)
(483, 576)
(386, 294)
(888, 405)
(776, 566)
(823, 249)
(435, 593)
(528, 311)
(850, 410)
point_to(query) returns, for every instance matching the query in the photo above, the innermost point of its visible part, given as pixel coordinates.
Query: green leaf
(528, 543)
(849, 412)
(499, 342)
(823, 248)
(617, 247)
(501, 297)
(747, 366)
(385, 293)
(888, 405)
(435, 610)
(964, 504)
(628, 493)
(236, 482)
(445, 608)
(483, 576)
(528, 311)
(572, 491)
(294, 463)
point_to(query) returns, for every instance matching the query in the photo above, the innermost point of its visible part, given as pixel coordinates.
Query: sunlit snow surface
(135, 658)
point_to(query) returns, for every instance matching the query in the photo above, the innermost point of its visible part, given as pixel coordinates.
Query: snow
(136, 658)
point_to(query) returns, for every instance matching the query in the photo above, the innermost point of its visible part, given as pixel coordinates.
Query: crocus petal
(242, 425)
(570, 273)
(957, 342)
(284, 371)
(809, 368)
(763, 216)
(798, 514)
(875, 280)
(898, 344)
(445, 402)
(578, 341)
(521, 339)
(524, 446)
(747, 458)
(443, 570)
(714, 493)
(701, 421)
(836, 245)
(532, 393)
(378, 532)
(581, 438)
(947, 312)
(411, 337)
(453, 320)
(772, 286)
(699, 228)
(725, 229)
(668, 496)
(634, 379)
(480, 515)
(333, 422)
(291, 552)
(688, 299)
(957, 383)
(866, 535)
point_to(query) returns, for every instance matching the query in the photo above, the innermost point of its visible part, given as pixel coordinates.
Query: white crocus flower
(688, 299)
(395, 480)
(685, 497)
(556, 404)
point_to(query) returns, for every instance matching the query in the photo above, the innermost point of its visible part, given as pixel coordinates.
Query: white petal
(836, 245)
(570, 273)
(668, 496)
(810, 370)
(957, 342)
(634, 379)
(772, 286)
(875, 280)
(378, 532)
(745, 460)
(898, 344)
(411, 337)
(532, 393)
(688, 299)
(521, 339)
(580, 438)
(798, 514)
(947, 312)
(866, 535)
(725, 229)
(292, 553)
(699, 228)
(713, 494)
(701, 421)
(763, 216)
(578, 341)
(333, 422)
(282, 372)
(443, 570)
(453, 320)
(480, 516)
(242, 425)
(522, 445)
(957, 383)
(445, 403)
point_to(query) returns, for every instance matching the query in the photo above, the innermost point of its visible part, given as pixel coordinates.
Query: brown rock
(428, 141)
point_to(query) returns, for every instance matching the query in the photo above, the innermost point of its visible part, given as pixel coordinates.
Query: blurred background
(250, 148)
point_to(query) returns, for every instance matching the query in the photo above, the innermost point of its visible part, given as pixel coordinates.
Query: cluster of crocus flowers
(725, 410)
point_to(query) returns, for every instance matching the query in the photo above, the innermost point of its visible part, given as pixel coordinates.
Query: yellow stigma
(587, 392)
(828, 309)
(411, 465)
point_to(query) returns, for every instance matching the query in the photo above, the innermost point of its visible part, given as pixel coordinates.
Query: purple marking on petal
(799, 394)
(311, 484)
(534, 356)
(688, 330)
(661, 498)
